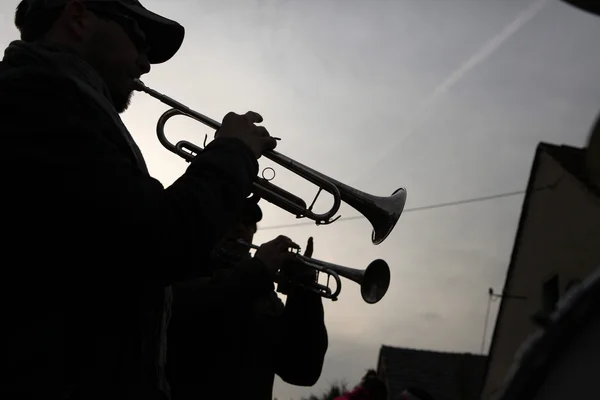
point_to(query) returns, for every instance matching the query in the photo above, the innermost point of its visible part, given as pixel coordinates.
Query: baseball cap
(591, 6)
(163, 36)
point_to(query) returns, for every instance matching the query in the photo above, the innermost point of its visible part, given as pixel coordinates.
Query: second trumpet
(374, 281)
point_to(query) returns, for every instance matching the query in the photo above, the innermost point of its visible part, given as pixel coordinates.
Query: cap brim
(164, 36)
(591, 6)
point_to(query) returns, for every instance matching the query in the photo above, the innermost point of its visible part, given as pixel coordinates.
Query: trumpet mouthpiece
(138, 84)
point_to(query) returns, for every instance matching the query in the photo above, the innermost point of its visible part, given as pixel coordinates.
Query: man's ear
(77, 18)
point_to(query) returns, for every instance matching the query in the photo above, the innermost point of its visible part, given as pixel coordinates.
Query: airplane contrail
(455, 76)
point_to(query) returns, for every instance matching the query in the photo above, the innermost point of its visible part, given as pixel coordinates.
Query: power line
(422, 208)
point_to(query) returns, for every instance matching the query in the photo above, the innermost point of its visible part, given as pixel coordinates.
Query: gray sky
(447, 98)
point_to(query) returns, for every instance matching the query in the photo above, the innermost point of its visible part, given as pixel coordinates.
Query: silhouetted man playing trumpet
(230, 334)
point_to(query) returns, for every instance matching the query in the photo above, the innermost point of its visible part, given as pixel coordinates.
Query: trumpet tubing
(382, 212)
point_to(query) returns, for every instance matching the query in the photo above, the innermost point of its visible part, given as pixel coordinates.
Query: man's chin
(122, 102)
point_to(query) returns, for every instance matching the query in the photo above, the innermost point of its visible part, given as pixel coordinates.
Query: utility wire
(422, 208)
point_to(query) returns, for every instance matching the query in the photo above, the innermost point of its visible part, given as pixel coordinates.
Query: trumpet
(374, 281)
(382, 212)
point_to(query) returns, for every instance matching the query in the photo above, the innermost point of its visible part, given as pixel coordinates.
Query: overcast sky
(447, 98)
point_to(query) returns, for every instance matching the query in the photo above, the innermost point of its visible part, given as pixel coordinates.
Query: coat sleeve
(80, 199)
(303, 339)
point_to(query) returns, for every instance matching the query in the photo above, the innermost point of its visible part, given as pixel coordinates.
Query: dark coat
(230, 335)
(91, 241)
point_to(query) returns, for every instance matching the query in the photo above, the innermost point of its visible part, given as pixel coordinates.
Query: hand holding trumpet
(275, 255)
(295, 271)
(243, 127)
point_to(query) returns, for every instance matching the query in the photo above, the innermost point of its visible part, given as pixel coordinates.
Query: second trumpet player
(234, 321)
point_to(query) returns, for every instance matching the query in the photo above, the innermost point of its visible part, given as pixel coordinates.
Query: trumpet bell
(375, 281)
(384, 214)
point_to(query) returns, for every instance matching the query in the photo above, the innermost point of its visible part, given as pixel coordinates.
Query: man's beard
(121, 102)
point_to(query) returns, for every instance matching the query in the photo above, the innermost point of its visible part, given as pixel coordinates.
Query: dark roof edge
(460, 353)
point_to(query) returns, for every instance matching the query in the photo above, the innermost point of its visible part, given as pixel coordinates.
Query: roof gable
(573, 160)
